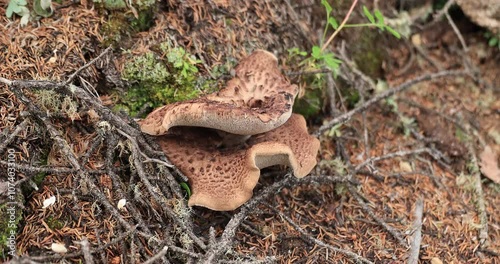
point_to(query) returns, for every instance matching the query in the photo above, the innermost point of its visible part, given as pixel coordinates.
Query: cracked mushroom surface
(258, 92)
(222, 179)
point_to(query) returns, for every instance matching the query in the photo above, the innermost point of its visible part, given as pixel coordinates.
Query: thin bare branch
(395, 233)
(417, 232)
(88, 64)
(347, 116)
(158, 256)
(230, 231)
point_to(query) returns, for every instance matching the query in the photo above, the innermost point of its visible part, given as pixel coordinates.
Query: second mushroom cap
(222, 179)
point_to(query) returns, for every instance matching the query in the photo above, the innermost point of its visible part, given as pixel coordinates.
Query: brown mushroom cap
(223, 179)
(256, 100)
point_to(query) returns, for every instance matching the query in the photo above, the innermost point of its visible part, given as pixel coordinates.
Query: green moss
(38, 179)
(310, 104)
(368, 56)
(10, 217)
(114, 4)
(144, 21)
(54, 223)
(146, 68)
(156, 81)
(115, 29)
(351, 96)
(144, 4)
(27, 189)
(121, 23)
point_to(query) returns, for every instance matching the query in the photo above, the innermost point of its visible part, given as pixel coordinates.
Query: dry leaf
(416, 40)
(489, 164)
(93, 115)
(405, 166)
(52, 60)
(436, 261)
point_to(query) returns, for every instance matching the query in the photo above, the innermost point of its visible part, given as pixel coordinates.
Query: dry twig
(480, 203)
(86, 251)
(347, 116)
(395, 233)
(158, 256)
(12, 135)
(417, 232)
(215, 250)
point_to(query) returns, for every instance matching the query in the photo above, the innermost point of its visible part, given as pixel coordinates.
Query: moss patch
(157, 78)
(369, 52)
(310, 104)
(10, 216)
(121, 24)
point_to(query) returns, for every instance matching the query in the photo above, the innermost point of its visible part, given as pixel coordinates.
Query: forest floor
(412, 176)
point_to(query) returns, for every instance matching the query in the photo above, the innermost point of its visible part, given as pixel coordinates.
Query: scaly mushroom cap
(223, 179)
(256, 100)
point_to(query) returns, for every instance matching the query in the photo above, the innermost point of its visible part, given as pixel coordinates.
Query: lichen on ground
(163, 77)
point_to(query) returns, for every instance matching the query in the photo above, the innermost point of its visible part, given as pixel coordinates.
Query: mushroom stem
(231, 140)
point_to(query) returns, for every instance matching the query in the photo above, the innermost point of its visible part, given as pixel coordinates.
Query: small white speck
(49, 201)
(121, 204)
(58, 248)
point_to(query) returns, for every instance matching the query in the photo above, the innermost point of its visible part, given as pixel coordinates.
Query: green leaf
(333, 22)
(25, 16)
(327, 6)
(45, 4)
(296, 51)
(380, 17)
(10, 10)
(368, 15)
(43, 7)
(15, 6)
(316, 52)
(335, 131)
(493, 42)
(393, 32)
(185, 186)
(331, 62)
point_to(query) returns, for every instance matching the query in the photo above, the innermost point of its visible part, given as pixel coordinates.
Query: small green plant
(407, 123)
(493, 40)
(319, 59)
(18, 7)
(335, 131)
(186, 188)
(319, 56)
(182, 61)
(41, 7)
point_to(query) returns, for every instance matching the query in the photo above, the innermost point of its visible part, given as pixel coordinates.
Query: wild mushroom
(258, 99)
(222, 179)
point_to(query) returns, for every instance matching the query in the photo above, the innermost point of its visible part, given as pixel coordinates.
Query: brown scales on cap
(223, 179)
(258, 99)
